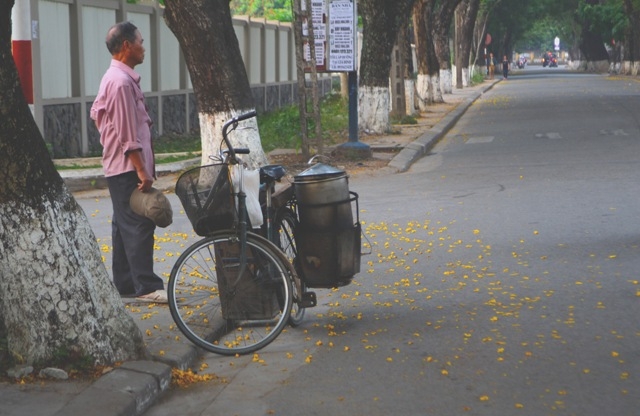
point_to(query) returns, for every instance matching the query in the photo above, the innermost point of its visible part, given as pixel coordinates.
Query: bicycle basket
(206, 196)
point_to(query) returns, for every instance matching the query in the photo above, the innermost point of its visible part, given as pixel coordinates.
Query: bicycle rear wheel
(223, 308)
(285, 223)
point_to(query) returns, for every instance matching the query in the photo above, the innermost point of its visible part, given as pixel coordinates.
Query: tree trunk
(479, 36)
(442, 17)
(594, 52)
(432, 55)
(204, 30)
(399, 94)
(428, 82)
(458, 19)
(380, 22)
(507, 45)
(468, 11)
(423, 96)
(592, 47)
(633, 36)
(55, 293)
(409, 82)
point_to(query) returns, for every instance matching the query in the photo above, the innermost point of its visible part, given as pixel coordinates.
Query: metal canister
(327, 239)
(322, 192)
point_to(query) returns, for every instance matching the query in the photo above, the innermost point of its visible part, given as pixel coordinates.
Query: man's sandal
(159, 296)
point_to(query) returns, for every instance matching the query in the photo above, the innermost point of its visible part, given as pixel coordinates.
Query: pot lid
(320, 170)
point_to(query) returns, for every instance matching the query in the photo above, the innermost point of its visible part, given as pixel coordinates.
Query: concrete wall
(69, 59)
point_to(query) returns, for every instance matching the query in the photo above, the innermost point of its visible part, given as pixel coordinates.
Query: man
(121, 117)
(506, 66)
(492, 65)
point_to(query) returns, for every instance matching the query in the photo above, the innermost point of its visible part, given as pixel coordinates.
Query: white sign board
(335, 31)
(318, 9)
(342, 35)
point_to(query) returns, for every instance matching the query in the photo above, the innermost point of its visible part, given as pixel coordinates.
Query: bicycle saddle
(270, 173)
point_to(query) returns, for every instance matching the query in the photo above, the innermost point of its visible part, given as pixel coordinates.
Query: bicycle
(233, 291)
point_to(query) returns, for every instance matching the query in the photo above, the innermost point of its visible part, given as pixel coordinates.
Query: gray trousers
(132, 235)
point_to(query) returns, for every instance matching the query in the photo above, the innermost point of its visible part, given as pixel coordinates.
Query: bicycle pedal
(309, 300)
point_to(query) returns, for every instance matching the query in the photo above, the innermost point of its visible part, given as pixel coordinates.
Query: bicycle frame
(232, 160)
(242, 224)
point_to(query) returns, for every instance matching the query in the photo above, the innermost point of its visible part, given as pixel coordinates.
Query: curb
(128, 390)
(93, 179)
(132, 388)
(423, 144)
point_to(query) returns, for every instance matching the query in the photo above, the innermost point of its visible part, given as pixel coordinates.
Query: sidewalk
(134, 387)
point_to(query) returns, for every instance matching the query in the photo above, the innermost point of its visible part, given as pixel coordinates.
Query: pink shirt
(122, 120)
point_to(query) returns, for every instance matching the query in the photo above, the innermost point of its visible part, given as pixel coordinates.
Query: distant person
(506, 66)
(492, 65)
(121, 117)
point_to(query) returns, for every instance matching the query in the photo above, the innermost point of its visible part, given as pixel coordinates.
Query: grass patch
(403, 120)
(76, 167)
(174, 143)
(280, 129)
(477, 78)
(170, 158)
(176, 157)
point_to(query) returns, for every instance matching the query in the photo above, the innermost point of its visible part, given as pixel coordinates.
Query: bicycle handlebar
(239, 151)
(234, 122)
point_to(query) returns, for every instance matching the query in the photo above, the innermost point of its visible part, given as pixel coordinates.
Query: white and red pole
(21, 45)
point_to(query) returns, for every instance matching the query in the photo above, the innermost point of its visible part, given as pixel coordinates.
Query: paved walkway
(133, 387)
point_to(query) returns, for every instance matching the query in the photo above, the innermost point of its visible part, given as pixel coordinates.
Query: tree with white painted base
(428, 81)
(442, 17)
(55, 294)
(381, 20)
(204, 29)
(466, 14)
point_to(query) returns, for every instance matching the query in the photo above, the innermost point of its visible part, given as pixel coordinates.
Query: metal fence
(69, 59)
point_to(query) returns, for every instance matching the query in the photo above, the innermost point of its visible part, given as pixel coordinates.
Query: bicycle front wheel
(226, 307)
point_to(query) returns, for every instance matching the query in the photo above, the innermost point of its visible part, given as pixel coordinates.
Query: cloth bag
(152, 204)
(252, 190)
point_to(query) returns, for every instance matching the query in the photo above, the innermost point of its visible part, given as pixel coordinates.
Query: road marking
(618, 132)
(550, 135)
(485, 139)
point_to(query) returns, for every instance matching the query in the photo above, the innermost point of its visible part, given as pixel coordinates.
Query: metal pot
(322, 192)
(328, 241)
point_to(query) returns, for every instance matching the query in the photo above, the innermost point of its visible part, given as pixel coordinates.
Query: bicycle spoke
(222, 311)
